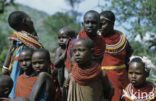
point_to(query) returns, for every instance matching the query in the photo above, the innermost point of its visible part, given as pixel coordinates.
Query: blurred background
(136, 18)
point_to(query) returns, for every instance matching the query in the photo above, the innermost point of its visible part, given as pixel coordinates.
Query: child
(87, 82)
(91, 24)
(6, 85)
(116, 54)
(25, 36)
(139, 89)
(64, 36)
(26, 81)
(44, 87)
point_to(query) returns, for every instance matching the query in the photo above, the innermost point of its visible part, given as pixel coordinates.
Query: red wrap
(99, 44)
(114, 61)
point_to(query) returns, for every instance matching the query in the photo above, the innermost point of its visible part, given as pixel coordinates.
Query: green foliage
(55, 22)
(139, 13)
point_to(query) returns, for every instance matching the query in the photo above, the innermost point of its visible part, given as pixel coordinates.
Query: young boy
(25, 36)
(26, 81)
(139, 89)
(116, 54)
(91, 24)
(6, 85)
(87, 82)
(64, 37)
(44, 87)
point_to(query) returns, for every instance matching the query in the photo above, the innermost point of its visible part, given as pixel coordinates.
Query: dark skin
(137, 74)
(107, 27)
(83, 58)
(25, 62)
(91, 24)
(25, 25)
(5, 82)
(40, 64)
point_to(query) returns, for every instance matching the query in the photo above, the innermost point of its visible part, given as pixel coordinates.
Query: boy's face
(40, 62)
(81, 53)
(91, 24)
(105, 25)
(62, 38)
(25, 61)
(136, 74)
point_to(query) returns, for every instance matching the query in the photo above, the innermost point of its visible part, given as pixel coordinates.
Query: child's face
(40, 62)
(136, 74)
(25, 61)
(105, 25)
(81, 53)
(62, 39)
(91, 24)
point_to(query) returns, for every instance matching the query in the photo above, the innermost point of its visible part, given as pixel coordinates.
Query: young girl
(139, 89)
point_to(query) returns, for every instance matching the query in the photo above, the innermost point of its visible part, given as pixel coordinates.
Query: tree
(73, 4)
(55, 22)
(140, 14)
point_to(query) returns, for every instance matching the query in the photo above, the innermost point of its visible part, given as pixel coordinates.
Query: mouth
(133, 81)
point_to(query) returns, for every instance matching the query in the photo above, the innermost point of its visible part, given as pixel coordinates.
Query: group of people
(95, 64)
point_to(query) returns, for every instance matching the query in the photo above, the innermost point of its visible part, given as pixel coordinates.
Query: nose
(37, 65)
(133, 75)
(77, 53)
(24, 63)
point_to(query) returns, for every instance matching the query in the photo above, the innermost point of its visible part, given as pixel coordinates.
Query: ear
(6, 91)
(82, 24)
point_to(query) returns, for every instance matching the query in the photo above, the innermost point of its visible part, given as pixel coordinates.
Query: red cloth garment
(68, 63)
(114, 62)
(24, 85)
(146, 93)
(99, 44)
(85, 76)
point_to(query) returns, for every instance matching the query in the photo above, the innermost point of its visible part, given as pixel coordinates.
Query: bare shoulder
(44, 75)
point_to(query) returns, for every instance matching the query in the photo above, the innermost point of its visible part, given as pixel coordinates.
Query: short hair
(6, 81)
(88, 42)
(45, 52)
(109, 15)
(15, 19)
(70, 32)
(93, 12)
(147, 64)
(27, 49)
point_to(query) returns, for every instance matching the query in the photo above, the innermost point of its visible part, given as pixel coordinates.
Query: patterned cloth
(146, 93)
(24, 85)
(23, 39)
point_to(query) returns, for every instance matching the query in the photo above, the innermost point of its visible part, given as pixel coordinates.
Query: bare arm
(60, 58)
(8, 58)
(44, 85)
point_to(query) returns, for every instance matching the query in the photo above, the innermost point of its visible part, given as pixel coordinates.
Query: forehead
(136, 66)
(80, 43)
(25, 53)
(91, 16)
(39, 55)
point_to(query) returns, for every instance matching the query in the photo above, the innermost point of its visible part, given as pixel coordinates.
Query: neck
(86, 65)
(140, 86)
(109, 33)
